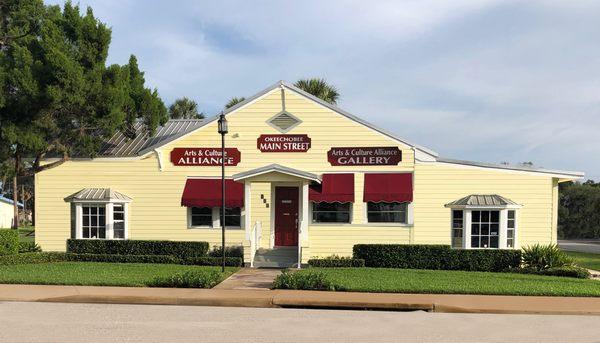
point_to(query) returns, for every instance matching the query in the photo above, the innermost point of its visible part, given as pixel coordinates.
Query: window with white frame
(206, 217)
(485, 229)
(101, 220)
(511, 225)
(387, 212)
(458, 224)
(93, 224)
(331, 212)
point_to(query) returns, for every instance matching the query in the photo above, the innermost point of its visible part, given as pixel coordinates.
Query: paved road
(53, 322)
(592, 246)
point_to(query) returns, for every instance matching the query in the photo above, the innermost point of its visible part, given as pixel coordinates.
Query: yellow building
(304, 179)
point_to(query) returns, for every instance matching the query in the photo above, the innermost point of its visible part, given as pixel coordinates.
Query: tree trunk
(16, 193)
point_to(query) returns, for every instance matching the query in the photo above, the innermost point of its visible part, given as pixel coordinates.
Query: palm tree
(234, 101)
(184, 108)
(319, 88)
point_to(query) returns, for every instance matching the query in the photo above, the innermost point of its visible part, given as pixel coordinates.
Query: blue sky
(482, 80)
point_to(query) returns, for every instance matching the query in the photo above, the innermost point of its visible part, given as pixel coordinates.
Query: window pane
(386, 206)
(331, 206)
(510, 233)
(119, 230)
(232, 221)
(101, 210)
(495, 216)
(484, 242)
(456, 214)
(331, 217)
(475, 216)
(494, 229)
(494, 242)
(511, 214)
(510, 243)
(474, 229)
(93, 210)
(387, 217)
(102, 232)
(202, 211)
(201, 220)
(94, 221)
(475, 242)
(485, 216)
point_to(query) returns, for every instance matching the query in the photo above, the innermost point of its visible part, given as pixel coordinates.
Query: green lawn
(94, 273)
(455, 282)
(586, 260)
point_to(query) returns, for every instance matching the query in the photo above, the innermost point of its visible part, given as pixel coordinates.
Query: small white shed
(7, 212)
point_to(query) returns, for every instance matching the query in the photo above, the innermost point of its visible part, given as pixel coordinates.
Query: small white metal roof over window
(97, 195)
(483, 200)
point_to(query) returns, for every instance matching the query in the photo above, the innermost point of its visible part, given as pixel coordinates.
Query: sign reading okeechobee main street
(204, 156)
(283, 143)
(367, 156)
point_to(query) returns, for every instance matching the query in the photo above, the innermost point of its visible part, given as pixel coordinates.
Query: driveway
(56, 322)
(583, 245)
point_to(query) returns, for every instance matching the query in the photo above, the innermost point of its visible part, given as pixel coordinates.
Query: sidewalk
(287, 298)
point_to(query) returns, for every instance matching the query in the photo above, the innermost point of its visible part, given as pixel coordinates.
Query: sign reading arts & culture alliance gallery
(368, 156)
(283, 143)
(204, 156)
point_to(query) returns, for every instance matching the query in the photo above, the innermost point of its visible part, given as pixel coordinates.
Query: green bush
(182, 249)
(33, 257)
(231, 251)
(189, 279)
(417, 256)
(311, 280)
(566, 271)
(9, 242)
(542, 257)
(28, 247)
(161, 259)
(214, 261)
(336, 262)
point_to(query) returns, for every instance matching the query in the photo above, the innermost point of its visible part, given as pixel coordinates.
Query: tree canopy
(185, 108)
(579, 210)
(58, 96)
(319, 88)
(234, 101)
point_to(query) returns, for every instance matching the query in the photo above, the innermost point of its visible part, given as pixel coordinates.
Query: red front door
(286, 216)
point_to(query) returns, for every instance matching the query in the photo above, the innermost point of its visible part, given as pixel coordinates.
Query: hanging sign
(204, 156)
(368, 156)
(283, 143)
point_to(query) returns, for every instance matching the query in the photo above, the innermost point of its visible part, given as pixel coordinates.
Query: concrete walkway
(311, 299)
(250, 278)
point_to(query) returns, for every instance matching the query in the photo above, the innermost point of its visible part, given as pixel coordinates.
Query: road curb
(445, 303)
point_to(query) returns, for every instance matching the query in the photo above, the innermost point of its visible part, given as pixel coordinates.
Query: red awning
(333, 188)
(388, 187)
(207, 193)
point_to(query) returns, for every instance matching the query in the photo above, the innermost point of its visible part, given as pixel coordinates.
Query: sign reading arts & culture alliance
(283, 143)
(367, 156)
(204, 156)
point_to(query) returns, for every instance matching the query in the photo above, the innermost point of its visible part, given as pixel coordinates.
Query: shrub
(182, 249)
(336, 262)
(189, 279)
(9, 241)
(567, 271)
(415, 256)
(542, 257)
(113, 258)
(231, 251)
(214, 261)
(28, 247)
(305, 280)
(33, 257)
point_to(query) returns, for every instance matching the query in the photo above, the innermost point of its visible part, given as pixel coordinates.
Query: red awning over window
(388, 187)
(333, 188)
(207, 193)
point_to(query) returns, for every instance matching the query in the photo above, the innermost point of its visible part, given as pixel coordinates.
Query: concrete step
(280, 257)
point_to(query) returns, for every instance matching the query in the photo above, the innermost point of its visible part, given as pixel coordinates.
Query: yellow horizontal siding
(339, 240)
(438, 184)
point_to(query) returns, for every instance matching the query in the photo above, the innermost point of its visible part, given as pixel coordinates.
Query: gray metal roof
(98, 194)
(119, 145)
(574, 174)
(482, 200)
(278, 169)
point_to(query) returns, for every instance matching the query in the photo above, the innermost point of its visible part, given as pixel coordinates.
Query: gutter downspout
(159, 157)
